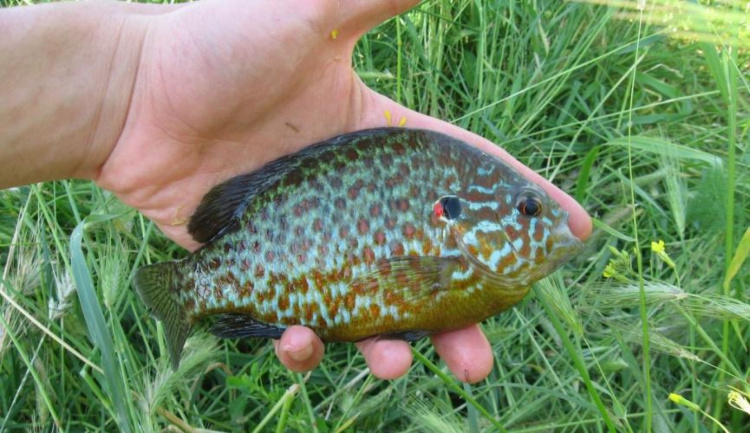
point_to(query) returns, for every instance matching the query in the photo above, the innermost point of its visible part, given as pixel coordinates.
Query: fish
(388, 232)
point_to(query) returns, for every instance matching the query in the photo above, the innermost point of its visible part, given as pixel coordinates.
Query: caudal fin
(155, 285)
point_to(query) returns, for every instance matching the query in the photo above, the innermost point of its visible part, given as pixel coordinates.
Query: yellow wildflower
(677, 398)
(658, 248)
(609, 271)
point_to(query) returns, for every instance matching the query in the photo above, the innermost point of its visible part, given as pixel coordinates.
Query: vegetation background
(641, 110)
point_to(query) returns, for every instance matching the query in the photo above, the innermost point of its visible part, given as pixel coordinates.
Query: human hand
(225, 86)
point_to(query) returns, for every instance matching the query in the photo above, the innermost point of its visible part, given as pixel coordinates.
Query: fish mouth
(564, 236)
(566, 244)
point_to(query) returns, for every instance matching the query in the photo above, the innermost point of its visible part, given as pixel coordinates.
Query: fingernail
(298, 353)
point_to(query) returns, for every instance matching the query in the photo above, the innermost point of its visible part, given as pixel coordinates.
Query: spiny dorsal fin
(223, 206)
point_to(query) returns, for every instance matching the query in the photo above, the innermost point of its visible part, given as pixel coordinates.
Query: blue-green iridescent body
(351, 237)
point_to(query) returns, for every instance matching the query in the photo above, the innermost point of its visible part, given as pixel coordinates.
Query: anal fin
(243, 325)
(409, 336)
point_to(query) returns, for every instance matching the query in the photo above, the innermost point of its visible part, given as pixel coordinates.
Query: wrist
(68, 73)
(115, 48)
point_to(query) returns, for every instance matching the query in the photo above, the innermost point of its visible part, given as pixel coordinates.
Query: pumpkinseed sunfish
(392, 231)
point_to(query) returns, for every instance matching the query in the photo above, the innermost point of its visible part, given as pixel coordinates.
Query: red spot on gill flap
(437, 208)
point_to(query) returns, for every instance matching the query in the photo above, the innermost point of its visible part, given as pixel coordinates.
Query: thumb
(359, 16)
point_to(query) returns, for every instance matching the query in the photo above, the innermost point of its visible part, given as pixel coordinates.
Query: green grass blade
(743, 250)
(598, 224)
(578, 362)
(282, 404)
(583, 176)
(647, 393)
(666, 148)
(97, 327)
(29, 363)
(457, 389)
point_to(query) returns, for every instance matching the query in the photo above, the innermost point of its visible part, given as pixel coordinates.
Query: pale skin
(159, 103)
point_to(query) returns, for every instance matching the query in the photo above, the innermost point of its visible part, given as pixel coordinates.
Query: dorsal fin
(223, 206)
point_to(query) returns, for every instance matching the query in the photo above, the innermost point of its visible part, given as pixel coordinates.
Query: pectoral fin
(409, 277)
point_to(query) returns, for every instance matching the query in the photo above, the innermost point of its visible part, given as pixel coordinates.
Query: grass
(647, 126)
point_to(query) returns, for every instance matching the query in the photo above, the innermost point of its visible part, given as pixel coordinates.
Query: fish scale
(351, 237)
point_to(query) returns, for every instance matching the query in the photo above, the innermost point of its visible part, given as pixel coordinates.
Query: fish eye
(528, 204)
(448, 207)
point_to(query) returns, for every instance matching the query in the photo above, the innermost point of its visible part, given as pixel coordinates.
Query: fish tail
(156, 285)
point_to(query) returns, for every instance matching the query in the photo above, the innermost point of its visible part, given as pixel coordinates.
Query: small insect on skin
(392, 231)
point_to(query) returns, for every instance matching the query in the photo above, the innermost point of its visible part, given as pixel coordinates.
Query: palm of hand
(213, 100)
